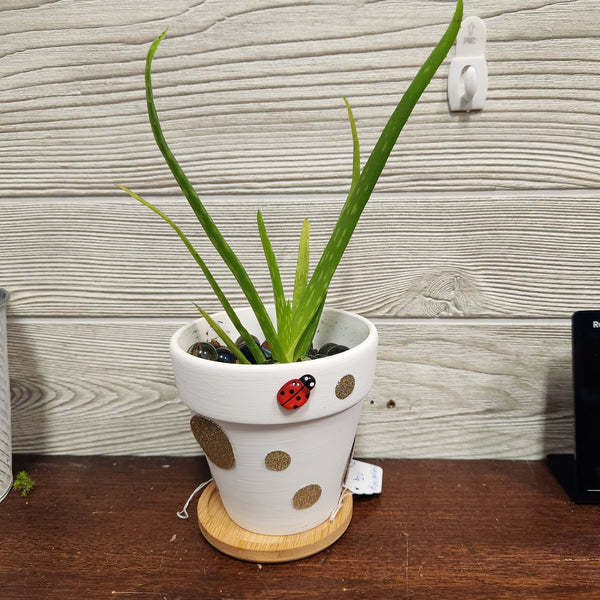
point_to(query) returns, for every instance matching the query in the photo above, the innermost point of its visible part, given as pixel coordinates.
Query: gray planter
(5, 440)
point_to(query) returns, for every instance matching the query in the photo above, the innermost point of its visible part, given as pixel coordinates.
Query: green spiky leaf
(360, 193)
(301, 265)
(224, 337)
(206, 271)
(297, 320)
(355, 146)
(212, 231)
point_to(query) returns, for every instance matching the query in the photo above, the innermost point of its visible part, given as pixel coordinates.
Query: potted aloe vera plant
(277, 420)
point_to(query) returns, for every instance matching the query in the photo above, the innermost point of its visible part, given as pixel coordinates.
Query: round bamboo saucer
(231, 539)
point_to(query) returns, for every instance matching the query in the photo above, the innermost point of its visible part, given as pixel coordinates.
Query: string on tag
(183, 513)
(336, 509)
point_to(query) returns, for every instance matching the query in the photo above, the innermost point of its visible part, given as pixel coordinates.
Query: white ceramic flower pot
(278, 471)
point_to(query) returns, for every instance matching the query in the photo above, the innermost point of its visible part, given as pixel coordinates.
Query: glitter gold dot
(214, 442)
(305, 497)
(278, 460)
(345, 386)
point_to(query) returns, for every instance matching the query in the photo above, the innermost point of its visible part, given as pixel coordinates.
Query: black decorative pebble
(213, 351)
(266, 350)
(326, 347)
(203, 350)
(246, 352)
(241, 341)
(225, 355)
(336, 349)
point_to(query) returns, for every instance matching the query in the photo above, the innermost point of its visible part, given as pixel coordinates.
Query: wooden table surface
(106, 528)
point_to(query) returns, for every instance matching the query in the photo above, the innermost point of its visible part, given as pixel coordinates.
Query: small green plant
(296, 319)
(23, 484)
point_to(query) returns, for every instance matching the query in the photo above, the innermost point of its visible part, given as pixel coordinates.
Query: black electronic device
(579, 473)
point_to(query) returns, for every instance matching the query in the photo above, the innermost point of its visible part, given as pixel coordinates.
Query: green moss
(23, 484)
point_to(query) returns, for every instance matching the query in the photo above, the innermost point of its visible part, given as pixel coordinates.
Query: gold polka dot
(278, 460)
(345, 386)
(214, 442)
(307, 496)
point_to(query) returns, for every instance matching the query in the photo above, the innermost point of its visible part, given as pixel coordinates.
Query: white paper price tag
(363, 478)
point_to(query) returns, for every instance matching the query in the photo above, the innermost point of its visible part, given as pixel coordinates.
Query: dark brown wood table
(106, 528)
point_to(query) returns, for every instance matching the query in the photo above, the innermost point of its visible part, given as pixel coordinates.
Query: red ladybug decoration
(296, 392)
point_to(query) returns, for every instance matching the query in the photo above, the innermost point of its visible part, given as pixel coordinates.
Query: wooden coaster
(231, 539)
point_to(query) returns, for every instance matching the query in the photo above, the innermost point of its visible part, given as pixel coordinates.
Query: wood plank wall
(481, 239)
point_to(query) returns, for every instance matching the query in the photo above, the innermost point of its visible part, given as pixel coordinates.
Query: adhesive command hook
(468, 76)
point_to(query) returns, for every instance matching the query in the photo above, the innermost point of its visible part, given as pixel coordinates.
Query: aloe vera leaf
(305, 341)
(300, 282)
(318, 286)
(221, 333)
(278, 293)
(301, 278)
(258, 355)
(355, 146)
(285, 328)
(210, 228)
(283, 308)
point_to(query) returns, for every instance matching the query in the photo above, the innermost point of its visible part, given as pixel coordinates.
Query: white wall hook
(468, 76)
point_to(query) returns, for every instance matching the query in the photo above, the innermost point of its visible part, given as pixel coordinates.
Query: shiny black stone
(336, 349)
(203, 350)
(225, 355)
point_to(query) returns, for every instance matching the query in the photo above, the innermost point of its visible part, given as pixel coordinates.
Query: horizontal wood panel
(444, 388)
(249, 92)
(490, 218)
(417, 255)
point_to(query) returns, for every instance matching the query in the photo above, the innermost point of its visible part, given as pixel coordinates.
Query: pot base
(231, 539)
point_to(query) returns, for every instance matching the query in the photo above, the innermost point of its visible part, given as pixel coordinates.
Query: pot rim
(247, 393)
(178, 350)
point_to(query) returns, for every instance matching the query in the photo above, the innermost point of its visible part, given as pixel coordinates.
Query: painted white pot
(278, 471)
